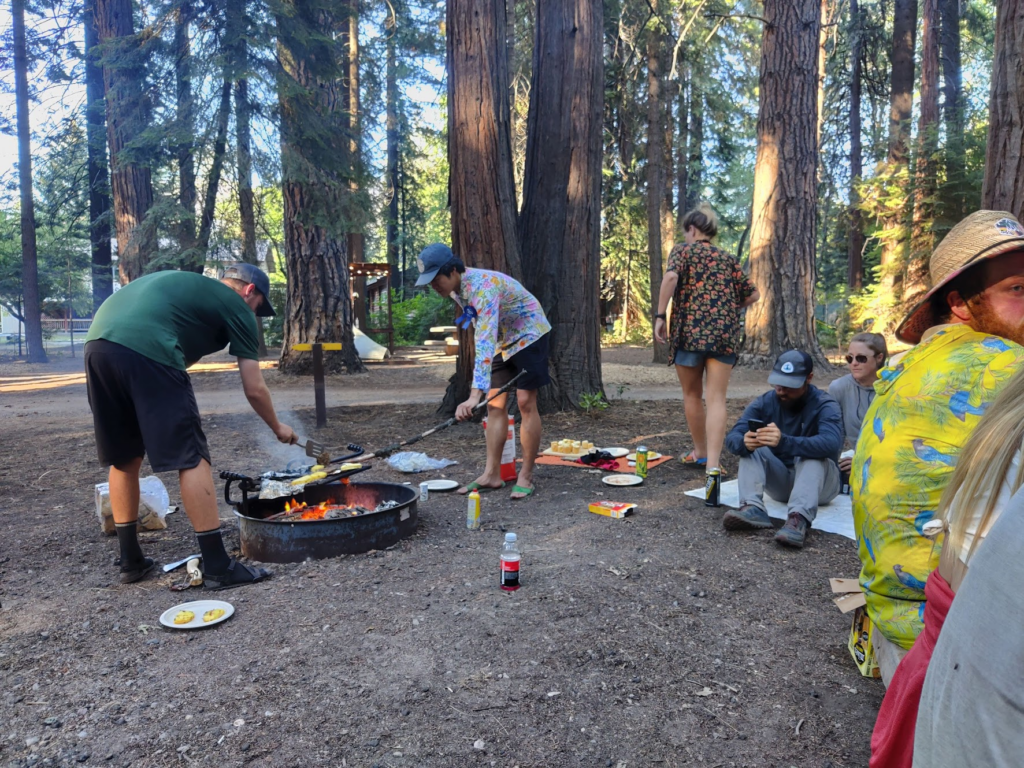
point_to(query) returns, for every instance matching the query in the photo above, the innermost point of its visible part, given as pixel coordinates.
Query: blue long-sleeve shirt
(814, 430)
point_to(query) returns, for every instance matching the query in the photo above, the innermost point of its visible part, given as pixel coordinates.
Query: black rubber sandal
(237, 575)
(137, 572)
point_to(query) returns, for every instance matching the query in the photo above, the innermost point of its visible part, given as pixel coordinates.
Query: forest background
(560, 141)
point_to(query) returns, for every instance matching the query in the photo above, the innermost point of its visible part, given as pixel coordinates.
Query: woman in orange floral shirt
(709, 292)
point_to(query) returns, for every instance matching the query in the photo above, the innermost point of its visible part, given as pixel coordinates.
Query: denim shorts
(696, 359)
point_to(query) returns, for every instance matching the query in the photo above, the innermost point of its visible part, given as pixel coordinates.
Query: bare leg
(199, 497)
(717, 419)
(124, 491)
(497, 434)
(529, 437)
(691, 380)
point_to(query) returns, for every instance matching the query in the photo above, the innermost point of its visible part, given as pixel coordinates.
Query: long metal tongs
(383, 453)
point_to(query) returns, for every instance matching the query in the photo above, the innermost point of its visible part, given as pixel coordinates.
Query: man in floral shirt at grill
(511, 336)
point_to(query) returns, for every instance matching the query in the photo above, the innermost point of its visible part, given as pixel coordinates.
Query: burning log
(298, 512)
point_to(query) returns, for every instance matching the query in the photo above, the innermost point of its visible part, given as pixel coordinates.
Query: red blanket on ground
(892, 743)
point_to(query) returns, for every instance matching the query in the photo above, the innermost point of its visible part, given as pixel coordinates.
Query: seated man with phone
(788, 441)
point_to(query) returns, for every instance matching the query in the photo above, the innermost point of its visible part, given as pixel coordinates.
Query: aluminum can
(713, 487)
(641, 461)
(424, 490)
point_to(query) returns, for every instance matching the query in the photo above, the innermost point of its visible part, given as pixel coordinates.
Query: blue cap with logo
(249, 273)
(430, 260)
(791, 369)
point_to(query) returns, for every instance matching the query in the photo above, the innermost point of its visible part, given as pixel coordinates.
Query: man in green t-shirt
(138, 348)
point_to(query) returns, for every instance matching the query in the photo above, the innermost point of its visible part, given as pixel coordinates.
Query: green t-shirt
(175, 318)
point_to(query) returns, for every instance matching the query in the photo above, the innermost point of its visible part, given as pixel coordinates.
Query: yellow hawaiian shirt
(924, 410)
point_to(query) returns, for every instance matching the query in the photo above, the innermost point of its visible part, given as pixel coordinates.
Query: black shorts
(140, 407)
(532, 359)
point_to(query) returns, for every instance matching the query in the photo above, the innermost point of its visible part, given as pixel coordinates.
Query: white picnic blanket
(836, 517)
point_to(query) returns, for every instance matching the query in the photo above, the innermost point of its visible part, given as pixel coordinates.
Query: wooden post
(319, 388)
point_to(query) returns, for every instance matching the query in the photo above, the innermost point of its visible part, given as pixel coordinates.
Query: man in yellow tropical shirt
(969, 329)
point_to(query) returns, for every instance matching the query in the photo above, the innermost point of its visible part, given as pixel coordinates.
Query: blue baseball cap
(430, 260)
(250, 273)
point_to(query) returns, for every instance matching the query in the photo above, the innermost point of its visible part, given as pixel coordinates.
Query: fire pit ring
(287, 541)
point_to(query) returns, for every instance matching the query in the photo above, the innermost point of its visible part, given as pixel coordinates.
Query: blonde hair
(983, 465)
(875, 342)
(704, 218)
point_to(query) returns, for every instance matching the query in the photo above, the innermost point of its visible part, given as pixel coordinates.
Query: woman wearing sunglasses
(854, 391)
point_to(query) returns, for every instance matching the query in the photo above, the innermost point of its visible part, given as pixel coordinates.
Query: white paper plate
(651, 456)
(198, 607)
(616, 453)
(621, 479)
(442, 485)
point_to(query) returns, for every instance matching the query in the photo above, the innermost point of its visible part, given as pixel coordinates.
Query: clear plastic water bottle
(510, 559)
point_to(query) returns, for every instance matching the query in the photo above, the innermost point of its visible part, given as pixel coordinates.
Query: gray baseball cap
(430, 261)
(250, 273)
(791, 369)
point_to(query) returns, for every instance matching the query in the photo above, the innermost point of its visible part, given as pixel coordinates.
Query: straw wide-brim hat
(981, 236)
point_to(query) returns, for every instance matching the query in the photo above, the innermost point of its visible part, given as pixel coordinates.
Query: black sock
(128, 538)
(215, 557)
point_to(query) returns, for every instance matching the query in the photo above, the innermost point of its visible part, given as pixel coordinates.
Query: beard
(985, 320)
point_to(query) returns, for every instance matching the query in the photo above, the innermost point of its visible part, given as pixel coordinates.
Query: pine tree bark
(356, 238)
(29, 264)
(695, 180)
(682, 157)
(1003, 189)
(855, 240)
(185, 130)
(901, 101)
(655, 180)
(315, 186)
(560, 224)
(952, 104)
(922, 241)
(99, 183)
(131, 185)
(392, 139)
(220, 144)
(481, 189)
(784, 226)
(237, 51)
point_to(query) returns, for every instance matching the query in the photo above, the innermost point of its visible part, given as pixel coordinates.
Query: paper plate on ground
(651, 456)
(442, 485)
(616, 453)
(200, 610)
(621, 480)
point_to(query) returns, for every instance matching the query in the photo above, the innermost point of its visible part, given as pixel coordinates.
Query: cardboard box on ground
(860, 643)
(154, 505)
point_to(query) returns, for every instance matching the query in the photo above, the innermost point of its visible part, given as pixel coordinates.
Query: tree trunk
(29, 268)
(315, 186)
(855, 240)
(124, 74)
(952, 105)
(185, 130)
(694, 183)
(670, 92)
(1004, 162)
(560, 224)
(682, 158)
(356, 238)
(655, 180)
(901, 100)
(392, 139)
(784, 225)
(922, 241)
(481, 190)
(237, 51)
(213, 180)
(99, 188)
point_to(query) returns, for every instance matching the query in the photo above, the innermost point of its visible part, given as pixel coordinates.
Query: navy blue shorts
(532, 359)
(696, 359)
(140, 407)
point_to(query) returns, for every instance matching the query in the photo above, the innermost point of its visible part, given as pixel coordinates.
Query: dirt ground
(655, 640)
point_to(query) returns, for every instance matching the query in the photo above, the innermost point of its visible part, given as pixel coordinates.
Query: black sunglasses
(859, 358)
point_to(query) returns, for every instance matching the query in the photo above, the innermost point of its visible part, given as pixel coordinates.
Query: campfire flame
(318, 512)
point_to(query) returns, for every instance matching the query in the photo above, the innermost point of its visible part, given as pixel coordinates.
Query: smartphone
(755, 424)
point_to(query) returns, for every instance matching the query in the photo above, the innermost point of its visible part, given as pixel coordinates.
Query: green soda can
(641, 461)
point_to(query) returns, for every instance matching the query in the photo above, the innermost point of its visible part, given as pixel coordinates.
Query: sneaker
(746, 518)
(136, 571)
(794, 532)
